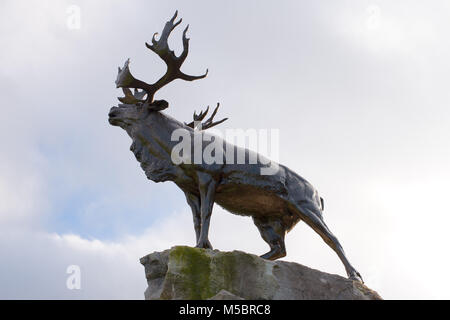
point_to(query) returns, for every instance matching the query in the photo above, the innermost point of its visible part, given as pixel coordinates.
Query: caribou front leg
(194, 203)
(207, 188)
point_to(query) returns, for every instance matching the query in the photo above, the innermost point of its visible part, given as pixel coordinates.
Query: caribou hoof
(274, 254)
(205, 244)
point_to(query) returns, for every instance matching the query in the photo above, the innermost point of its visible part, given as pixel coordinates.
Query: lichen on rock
(198, 274)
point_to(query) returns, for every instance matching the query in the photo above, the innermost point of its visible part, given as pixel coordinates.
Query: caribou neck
(152, 145)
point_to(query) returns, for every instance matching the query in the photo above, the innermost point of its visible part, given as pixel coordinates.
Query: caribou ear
(157, 105)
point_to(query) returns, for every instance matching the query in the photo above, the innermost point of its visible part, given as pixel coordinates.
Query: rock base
(198, 274)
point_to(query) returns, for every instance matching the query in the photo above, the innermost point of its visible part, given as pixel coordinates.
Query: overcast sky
(358, 90)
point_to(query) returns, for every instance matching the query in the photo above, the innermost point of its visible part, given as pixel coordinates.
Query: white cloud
(37, 260)
(362, 113)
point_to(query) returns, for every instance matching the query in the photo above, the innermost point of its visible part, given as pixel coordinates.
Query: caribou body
(276, 202)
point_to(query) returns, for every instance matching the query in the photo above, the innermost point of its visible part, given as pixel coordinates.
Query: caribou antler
(197, 124)
(161, 47)
(133, 98)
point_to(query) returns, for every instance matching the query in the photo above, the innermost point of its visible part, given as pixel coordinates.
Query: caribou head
(139, 103)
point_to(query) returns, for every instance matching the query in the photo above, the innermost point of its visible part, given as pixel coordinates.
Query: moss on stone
(200, 274)
(194, 266)
(227, 269)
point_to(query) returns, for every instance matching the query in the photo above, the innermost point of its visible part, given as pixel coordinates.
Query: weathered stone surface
(192, 273)
(225, 295)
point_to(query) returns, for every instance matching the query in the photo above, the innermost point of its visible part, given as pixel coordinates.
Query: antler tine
(214, 124)
(161, 46)
(126, 80)
(183, 57)
(201, 115)
(208, 123)
(188, 77)
(197, 118)
(184, 54)
(169, 26)
(214, 112)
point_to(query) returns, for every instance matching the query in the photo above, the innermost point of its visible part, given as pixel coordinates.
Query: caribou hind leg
(273, 232)
(313, 217)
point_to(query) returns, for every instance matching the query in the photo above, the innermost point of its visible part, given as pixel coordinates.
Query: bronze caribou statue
(276, 202)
